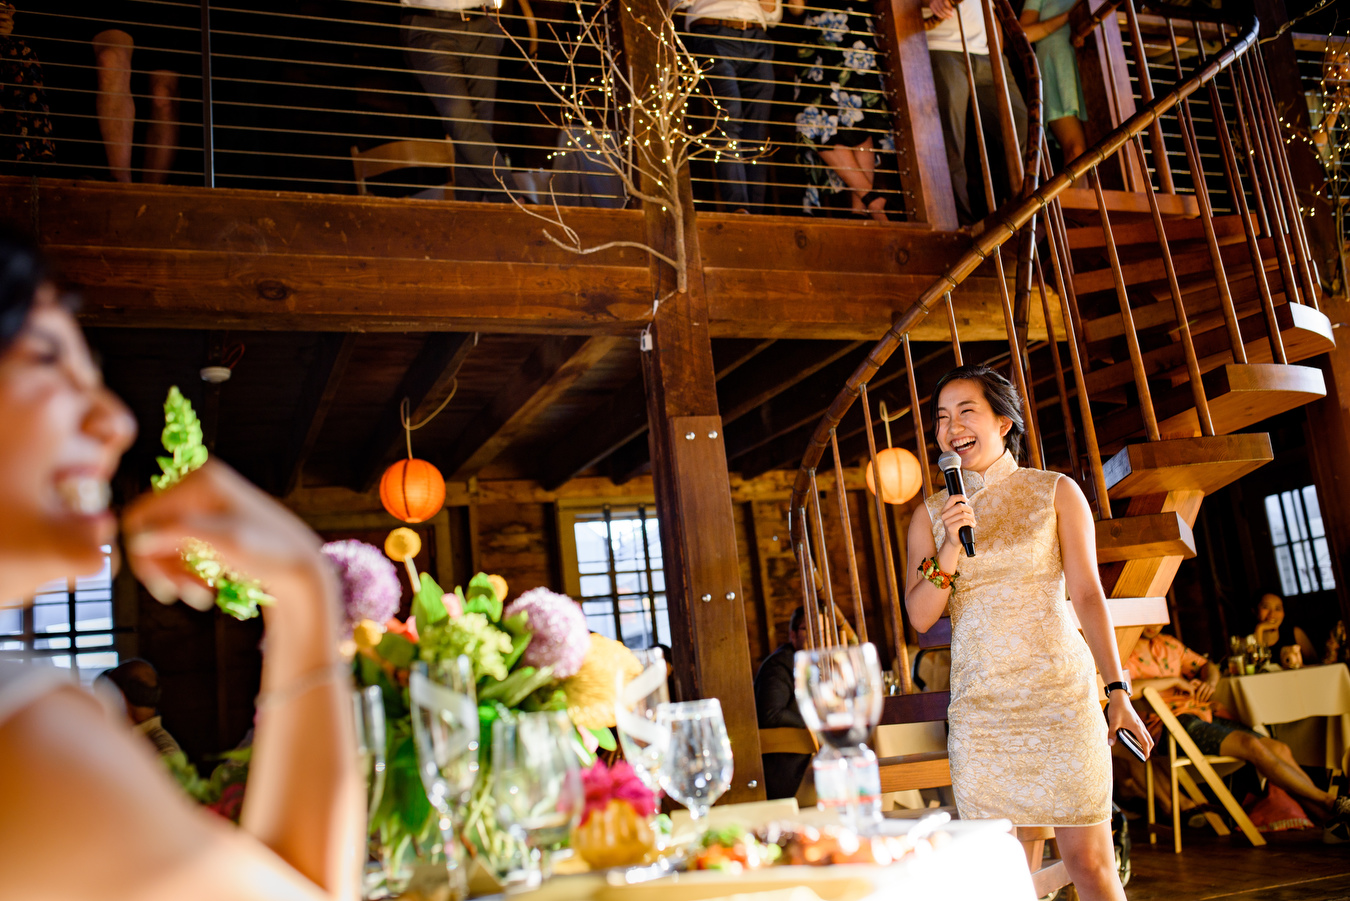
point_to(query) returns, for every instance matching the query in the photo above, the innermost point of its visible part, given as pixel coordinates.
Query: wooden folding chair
(787, 741)
(403, 155)
(1208, 766)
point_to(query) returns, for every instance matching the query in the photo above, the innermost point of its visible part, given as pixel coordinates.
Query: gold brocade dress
(1027, 738)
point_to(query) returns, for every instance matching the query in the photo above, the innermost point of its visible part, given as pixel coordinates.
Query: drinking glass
(636, 700)
(839, 692)
(368, 708)
(537, 782)
(445, 734)
(698, 765)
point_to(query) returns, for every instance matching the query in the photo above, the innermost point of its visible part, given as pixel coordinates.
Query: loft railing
(1263, 232)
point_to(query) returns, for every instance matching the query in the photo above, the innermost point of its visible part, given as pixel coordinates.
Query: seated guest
(1186, 681)
(114, 52)
(842, 104)
(138, 683)
(25, 121)
(1275, 632)
(953, 96)
(730, 37)
(87, 812)
(453, 47)
(1044, 22)
(776, 703)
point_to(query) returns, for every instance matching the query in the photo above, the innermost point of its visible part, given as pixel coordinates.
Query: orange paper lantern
(412, 490)
(901, 477)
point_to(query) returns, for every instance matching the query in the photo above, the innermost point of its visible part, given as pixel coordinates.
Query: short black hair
(137, 680)
(22, 270)
(795, 621)
(998, 391)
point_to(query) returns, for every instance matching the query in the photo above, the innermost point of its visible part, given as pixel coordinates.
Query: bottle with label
(849, 783)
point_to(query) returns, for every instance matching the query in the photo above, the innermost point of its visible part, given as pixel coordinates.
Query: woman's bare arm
(1078, 550)
(924, 601)
(1037, 29)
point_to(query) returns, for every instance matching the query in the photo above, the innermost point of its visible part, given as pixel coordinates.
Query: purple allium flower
(561, 638)
(370, 584)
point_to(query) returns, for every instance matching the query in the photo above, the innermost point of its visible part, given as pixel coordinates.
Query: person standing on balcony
(25, 121)
(453, 46)
(844, 116)
(732, 37)
(1026, 739)
(953, 95)
(1046, 25)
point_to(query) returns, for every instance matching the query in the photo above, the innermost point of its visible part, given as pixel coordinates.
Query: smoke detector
(216, 375)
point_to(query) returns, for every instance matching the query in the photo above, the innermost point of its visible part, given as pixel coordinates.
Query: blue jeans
(741, 79)
(456, 61)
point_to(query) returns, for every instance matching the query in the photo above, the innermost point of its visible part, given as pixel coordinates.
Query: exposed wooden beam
(426, 382)
(316, 398)
(776, 371)
(730, 354)
(629, 462)
(552, 368)
(180, 257)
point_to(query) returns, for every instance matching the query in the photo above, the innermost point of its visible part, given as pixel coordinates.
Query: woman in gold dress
(1027, 738)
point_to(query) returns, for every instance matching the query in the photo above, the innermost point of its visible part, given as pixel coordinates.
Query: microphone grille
(949, 460)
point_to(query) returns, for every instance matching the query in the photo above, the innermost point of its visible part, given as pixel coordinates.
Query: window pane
(1293, 519)
(1276, 520)
(51, 617)
(11, 621)
(1285, 561)
(595, 585)
(93, 641)
(1303, 565)
(91, 664)
(658, 579)
(1310, 504)
(591, 543)
(1323, 554)
(51, 644)
(662, 621)
(93, 615)
(628, 583)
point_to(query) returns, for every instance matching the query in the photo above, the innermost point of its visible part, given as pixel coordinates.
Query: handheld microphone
(950, 464)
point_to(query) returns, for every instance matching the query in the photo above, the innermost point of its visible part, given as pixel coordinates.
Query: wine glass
(636, 700)
(839, 691)
(537, 782)
(445, 734)
(698, 765)
(368, 708)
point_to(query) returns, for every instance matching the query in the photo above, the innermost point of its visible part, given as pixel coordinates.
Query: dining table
(1307, 708)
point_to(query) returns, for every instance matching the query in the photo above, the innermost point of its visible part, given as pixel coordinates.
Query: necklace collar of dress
(999, 470)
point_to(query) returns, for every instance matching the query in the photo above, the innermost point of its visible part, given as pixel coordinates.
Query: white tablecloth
(1308, 709)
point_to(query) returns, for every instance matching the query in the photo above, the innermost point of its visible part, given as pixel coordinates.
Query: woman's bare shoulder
(89, 812)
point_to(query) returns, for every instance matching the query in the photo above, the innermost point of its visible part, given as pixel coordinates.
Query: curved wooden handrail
(999, 228)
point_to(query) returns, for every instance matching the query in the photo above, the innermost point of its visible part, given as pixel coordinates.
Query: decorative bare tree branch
(635, 125)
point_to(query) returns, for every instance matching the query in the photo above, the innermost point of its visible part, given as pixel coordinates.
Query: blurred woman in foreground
(85, 809)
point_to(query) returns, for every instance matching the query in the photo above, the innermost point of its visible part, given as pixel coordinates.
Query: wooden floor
(1294, 866)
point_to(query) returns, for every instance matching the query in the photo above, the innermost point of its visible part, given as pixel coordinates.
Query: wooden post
(708, 639)
(919, 149)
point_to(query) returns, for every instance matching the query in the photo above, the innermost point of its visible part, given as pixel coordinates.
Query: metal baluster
(951, 325)
(892, 587)
(823, 567)
(854, 586)
(1161, 165)
(1126, 315)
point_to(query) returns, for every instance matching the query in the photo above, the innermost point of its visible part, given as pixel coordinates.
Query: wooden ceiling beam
(180, 257)
(320, 389)
(426, 382)
(550, 370)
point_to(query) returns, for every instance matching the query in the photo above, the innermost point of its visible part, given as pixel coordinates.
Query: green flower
(472, 635)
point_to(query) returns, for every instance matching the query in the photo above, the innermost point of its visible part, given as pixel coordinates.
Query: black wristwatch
(1123, 686)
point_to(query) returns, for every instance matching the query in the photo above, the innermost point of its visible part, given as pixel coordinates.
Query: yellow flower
(590, 693)
(367, 635)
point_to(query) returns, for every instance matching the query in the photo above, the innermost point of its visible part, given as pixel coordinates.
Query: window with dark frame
(619, 577)
(1298, 537)
(69, 624)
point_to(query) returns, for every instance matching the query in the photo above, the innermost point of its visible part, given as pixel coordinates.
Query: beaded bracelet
(930, 571)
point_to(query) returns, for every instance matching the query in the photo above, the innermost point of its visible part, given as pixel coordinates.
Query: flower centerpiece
(615, 829)
(532, 654)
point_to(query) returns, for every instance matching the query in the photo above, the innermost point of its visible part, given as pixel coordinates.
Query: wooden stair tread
(1130, 203)
(1124, 612)
(1129, 233)
(1139, 537)
(1185, 464)
(1203, 299)
(1187, 259)
(1239, 396)
(1305, 332)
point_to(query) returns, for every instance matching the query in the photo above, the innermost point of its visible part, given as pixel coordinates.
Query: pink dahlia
(616, 783)
(370, 585)
(561, 638)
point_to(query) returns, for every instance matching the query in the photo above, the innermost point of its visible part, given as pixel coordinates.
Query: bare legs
(117, 110)
(1068, 131)
(857, 167)
(1090, 858)
(1275, 761)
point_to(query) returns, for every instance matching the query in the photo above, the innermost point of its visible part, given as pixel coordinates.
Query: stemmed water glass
(698, 764)
(368, 709)
(445, 734)
(636, 701)
(537, 782)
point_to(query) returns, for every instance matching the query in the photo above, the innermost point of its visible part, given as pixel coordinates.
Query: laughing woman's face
(62, 433)
(968, 425)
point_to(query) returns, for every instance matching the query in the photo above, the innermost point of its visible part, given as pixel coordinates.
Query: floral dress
(25, 121)
(838, 83)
